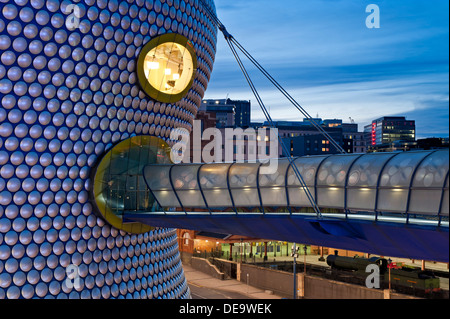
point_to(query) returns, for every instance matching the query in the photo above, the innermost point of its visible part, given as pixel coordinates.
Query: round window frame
(97, 176)
(146, 86)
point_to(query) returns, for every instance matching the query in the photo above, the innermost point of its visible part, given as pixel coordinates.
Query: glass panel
(157, 177)
(272, 186)
(425, 201)
(276, 179)
(307, 166)
(392, 200)
(191, 198)
(247, 197)
(366, 170)
(184, 178)
(213, 176)
(243, 175)
(361, 199)
(242, 179)
(333, 170)
(330, 197)
(445, 200)
(445, 205)
(297, 196)
(433, 170)
(398, 171)
(275, 196)
(166, 198)
(213, 181)
(218, 198)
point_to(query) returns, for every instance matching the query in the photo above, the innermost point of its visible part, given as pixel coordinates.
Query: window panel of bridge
(331, 180)
(243, 185)
(425, 202)
(272, 186)
(445, 200)
(432, 171)
(430, 174)
(395, 181)
(161, 185)
(399, 170)
(184, 179)
(363, 179)
(213, 181)
(307, 166)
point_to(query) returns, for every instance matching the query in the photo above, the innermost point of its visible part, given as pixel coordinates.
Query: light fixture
(176, 76)
(152, 65)
(167, 71)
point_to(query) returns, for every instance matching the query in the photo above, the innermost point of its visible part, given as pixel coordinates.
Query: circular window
(119, 189)
(166, 67)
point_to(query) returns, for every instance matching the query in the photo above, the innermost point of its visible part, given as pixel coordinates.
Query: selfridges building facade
(78, 78)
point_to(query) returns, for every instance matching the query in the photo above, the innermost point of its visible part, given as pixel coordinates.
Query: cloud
(323, 54)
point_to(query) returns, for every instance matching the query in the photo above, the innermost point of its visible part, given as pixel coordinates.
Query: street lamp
(389, 267)
(294, 254)
(305, 248)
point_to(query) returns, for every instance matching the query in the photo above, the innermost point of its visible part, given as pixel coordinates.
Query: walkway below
(204, 286)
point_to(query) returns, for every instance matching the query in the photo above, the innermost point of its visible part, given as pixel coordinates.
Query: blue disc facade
(67, 96)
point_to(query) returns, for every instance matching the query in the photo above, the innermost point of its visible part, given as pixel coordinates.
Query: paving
(204, 286)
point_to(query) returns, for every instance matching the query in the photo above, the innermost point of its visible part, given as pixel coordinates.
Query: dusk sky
(323, 54)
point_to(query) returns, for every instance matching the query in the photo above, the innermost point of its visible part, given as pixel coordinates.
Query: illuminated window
(186, 238)
(166, 67)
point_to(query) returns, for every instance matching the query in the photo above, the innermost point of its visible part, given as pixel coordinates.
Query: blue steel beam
(388, 238)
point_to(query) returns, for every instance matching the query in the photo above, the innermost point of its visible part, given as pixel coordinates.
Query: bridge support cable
(289, 97)
(229, 37)
(269, 119)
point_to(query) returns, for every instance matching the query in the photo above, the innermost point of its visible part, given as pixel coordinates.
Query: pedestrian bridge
(394, 204)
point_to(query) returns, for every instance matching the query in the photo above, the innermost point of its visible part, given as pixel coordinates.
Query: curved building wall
(67, 97)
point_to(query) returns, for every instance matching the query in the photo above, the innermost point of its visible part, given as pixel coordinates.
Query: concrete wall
(206, 267)
(320, 288)
(280, 282)
(308, 287)
(186, 257)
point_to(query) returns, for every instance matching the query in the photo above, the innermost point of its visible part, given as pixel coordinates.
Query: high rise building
(302, 138)
(243, 112)
(230, 113)
(389, 129)
(224, 113)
